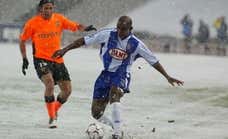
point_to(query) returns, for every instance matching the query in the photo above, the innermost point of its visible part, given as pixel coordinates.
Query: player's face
(47, 10)
(123, 30)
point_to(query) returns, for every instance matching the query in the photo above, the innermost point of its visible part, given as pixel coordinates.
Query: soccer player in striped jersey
(119, 48)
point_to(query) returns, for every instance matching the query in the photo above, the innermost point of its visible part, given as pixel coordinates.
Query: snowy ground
(199, 108)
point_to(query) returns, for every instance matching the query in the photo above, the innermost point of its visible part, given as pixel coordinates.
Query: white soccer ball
(95, 131)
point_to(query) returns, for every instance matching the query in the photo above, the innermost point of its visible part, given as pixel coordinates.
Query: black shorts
(58, 70)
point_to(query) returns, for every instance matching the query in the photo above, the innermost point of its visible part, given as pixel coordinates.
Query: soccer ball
(95, 131)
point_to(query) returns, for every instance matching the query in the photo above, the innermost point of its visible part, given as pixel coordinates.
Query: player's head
(124, 26)
(46, 8)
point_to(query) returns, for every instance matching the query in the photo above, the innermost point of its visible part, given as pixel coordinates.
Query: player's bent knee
(65, 94)
(115, 94)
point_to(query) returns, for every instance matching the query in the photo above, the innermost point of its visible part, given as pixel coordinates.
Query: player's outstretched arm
(86, 28)
(171, 80)
(76, 44)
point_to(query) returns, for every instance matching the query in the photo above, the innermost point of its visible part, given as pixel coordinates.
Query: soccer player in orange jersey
(45, 30)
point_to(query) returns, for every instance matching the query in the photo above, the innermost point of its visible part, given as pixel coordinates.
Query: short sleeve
(69, 25)
(146, 53)
(26, 32)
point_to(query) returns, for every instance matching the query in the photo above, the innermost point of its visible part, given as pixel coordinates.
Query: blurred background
(169, 26)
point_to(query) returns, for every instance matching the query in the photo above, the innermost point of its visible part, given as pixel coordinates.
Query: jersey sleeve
(146, 53)
(97, 38)
(69, 25)
(26, 32)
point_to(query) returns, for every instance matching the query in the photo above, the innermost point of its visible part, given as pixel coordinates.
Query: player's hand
(58, 54)
(90, 28)
(25, 65)
(172, 81)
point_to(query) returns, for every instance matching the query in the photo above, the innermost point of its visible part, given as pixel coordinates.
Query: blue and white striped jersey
(118, 55)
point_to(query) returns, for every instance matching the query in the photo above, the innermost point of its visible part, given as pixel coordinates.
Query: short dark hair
(42, 2)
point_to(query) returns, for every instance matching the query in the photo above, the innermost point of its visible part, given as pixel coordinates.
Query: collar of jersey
(127, 37)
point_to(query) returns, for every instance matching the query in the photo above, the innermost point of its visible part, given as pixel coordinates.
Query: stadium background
(155, 21)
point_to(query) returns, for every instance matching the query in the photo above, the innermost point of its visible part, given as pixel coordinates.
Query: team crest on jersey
(118, 54)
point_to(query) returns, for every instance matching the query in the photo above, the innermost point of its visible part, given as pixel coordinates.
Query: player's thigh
(115, 94)
(60, 73)
(42, 67)
(49, 83)
(47, 79)
(98, 107)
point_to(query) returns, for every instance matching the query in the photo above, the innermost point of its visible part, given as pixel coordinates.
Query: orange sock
(57, 105)
(51, 109)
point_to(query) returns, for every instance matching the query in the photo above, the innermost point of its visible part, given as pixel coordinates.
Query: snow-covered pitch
(153, 109)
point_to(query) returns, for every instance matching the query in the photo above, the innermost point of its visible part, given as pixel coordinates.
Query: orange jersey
(46, 34)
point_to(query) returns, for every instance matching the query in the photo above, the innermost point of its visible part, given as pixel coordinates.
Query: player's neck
(46, 17)
(124, 37)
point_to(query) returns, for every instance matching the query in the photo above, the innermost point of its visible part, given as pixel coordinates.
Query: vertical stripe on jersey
(102, 45)
(112, 43)
(131, 47)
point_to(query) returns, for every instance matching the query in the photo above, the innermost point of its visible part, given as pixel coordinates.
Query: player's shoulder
(137, 39)
(58, 15)
(33, 20)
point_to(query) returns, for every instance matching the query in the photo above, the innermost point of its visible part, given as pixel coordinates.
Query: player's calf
(98, 108)
(97, 114)
(66, 89)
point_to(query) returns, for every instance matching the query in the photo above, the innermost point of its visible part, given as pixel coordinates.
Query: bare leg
(66, 89)
(98, 108)
(48, 81)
